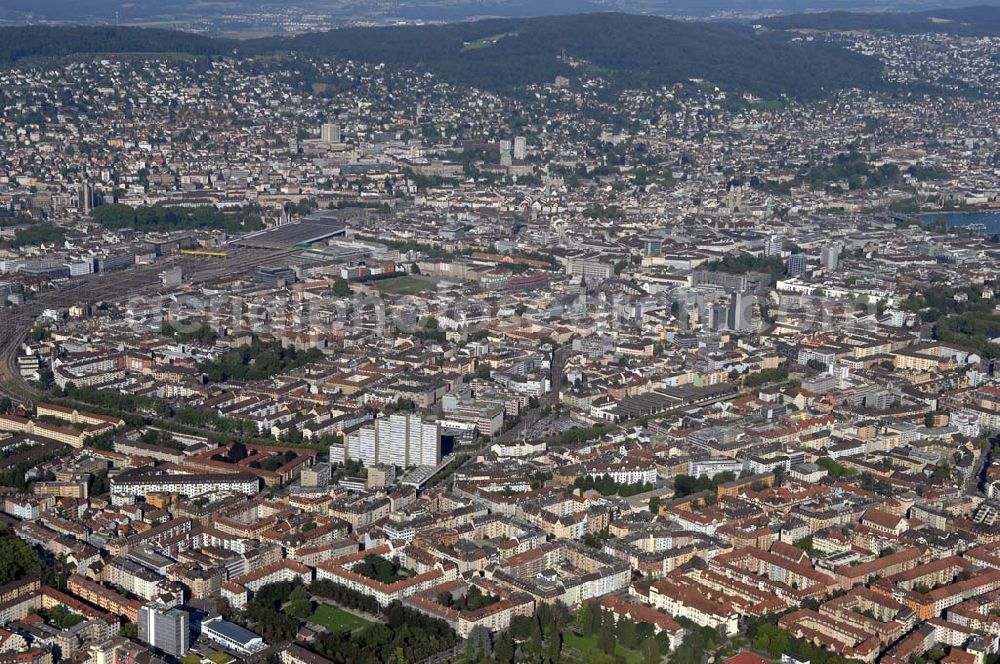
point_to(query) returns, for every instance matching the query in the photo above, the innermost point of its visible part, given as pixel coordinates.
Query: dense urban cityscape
(312, 359)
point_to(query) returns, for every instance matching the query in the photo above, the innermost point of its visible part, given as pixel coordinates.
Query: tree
(766, 376)
(159, 218)
(650, 651)
(300, 609)
(479, 643)
(203, 334)
(772, 639)
(225, 609)
(38, 234)
(237, 452)
(521, 627)
(627, 633)
(582, 619)
(258, 361)
(341, 288)
(306, 205)
(553, 646)
(46, 379)
(299, 605)
(98, 484)
(129, 631)
(504, 651)
(685, 485)
(533, 648)
(379, 569)
(606, 635)
(473, 653)
(834, 469)
(18, 560)
(596, 618)
(779, 476)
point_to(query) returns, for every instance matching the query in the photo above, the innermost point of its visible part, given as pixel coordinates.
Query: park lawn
(190, 659)
(336, 620)
(585, 646)
(404, 285)
(221, 658)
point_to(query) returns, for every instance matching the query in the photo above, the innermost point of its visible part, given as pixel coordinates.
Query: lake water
(991, 220)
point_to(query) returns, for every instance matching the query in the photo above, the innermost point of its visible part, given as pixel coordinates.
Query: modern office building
(164, 629)
(796, 265)
(740, 314)
(85, 195)
(590, 267)
(652, 245)
(113, 262)
(274, 276)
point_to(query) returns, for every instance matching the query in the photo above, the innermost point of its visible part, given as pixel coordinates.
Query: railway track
(113, 288)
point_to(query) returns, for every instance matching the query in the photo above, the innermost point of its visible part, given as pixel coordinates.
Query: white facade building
(401, 439)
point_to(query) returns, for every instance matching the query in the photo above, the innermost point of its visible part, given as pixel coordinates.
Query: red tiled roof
(746, 658)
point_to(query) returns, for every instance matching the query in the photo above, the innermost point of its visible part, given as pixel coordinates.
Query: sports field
(336, 620)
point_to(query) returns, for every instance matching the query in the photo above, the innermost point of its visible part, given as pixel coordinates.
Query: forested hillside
(631, 50)
(625, 49)
(18, 43)
(971, 21)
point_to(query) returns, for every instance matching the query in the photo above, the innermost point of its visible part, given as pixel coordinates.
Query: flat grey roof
(231, 631)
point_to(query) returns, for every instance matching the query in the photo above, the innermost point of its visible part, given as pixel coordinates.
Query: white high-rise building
(330, 132)
(394, 440)
(740, 313)
(362, 445)
(86, 198)
(429, 452)
(520, 148)
(830, 257)
(400, 439)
